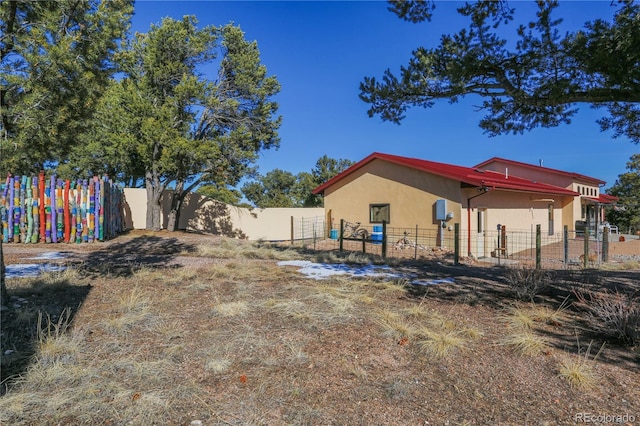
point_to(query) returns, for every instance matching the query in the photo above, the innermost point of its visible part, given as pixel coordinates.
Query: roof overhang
(602, 199)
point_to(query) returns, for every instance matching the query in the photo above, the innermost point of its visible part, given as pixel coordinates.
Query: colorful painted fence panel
(36, 209)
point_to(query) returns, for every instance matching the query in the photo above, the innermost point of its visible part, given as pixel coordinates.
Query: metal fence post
(585, 262)
(291, 230)
(565, 241)
(538, 246)
(605, 245)
(456, 244)
(415, 248)
(384, 238)
(341, 232)
(364, 244)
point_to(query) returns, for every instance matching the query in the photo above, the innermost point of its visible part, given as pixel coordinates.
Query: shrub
(615, 314)
(526, 283)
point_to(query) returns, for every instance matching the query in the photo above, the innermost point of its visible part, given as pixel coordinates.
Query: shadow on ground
(124, 258)
(42, 302)
(488, 286)
(39, 305)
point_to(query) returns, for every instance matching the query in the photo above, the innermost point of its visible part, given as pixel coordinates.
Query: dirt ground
(304, 368)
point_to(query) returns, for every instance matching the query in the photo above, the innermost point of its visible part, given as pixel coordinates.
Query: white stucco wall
(202, 214)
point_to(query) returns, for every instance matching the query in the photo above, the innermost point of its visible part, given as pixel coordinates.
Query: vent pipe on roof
(541, 161)
(506, 173)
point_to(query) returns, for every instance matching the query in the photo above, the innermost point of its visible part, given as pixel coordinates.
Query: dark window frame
(379, 206)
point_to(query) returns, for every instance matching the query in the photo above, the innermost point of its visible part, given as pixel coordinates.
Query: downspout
(483, 190)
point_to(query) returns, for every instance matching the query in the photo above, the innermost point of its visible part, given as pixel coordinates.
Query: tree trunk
(4, 297)
(177, 198)
(154, 210)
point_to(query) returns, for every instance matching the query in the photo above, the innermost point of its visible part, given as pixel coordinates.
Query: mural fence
(37, 209)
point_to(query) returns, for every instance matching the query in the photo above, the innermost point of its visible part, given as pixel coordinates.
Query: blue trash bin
(376, 235)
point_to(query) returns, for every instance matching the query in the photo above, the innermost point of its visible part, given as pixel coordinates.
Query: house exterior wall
(571, 212)
(520, 211)
(411, 196)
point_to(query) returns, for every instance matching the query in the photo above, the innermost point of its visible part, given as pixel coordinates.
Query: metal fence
(306, 230)
(526, 247)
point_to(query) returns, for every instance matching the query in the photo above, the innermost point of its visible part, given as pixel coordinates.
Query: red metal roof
(604, 199)
(572, 175)
(471, 176)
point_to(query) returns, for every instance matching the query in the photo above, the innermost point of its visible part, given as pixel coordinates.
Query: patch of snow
(28, 270)
(434, 282)
(321, 271)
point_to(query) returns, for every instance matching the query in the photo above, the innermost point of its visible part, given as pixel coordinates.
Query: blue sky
(321, 51)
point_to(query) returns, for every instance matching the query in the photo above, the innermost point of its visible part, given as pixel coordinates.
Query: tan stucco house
(587, 207)
(408, 192)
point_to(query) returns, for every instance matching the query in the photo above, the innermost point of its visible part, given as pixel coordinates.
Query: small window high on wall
(379, 212)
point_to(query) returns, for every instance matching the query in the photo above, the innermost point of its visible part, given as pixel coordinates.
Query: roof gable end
(576, 176)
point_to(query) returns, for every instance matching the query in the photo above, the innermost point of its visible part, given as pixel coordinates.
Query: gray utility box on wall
(441, 209)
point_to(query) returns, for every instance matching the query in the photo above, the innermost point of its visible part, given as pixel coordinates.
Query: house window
(379, 212)
(578, 188)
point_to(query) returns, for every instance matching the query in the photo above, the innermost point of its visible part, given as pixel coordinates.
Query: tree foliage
(276, 188)
(55, 59)
(279, 188)
(326, 168)
(537, 78)
(165, 124)
(626, 212)
(224, 194)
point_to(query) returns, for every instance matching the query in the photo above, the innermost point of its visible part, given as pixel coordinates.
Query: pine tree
(536, 78)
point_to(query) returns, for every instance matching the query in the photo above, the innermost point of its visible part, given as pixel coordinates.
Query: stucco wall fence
(208, 216)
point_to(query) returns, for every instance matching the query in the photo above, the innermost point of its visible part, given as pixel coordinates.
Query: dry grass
(235, 339)
(231, 309)
(235, 249)
(440, 343)
(580, 370)
(518, 318)
(526, 342)
(55, 343)
(628, 265)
